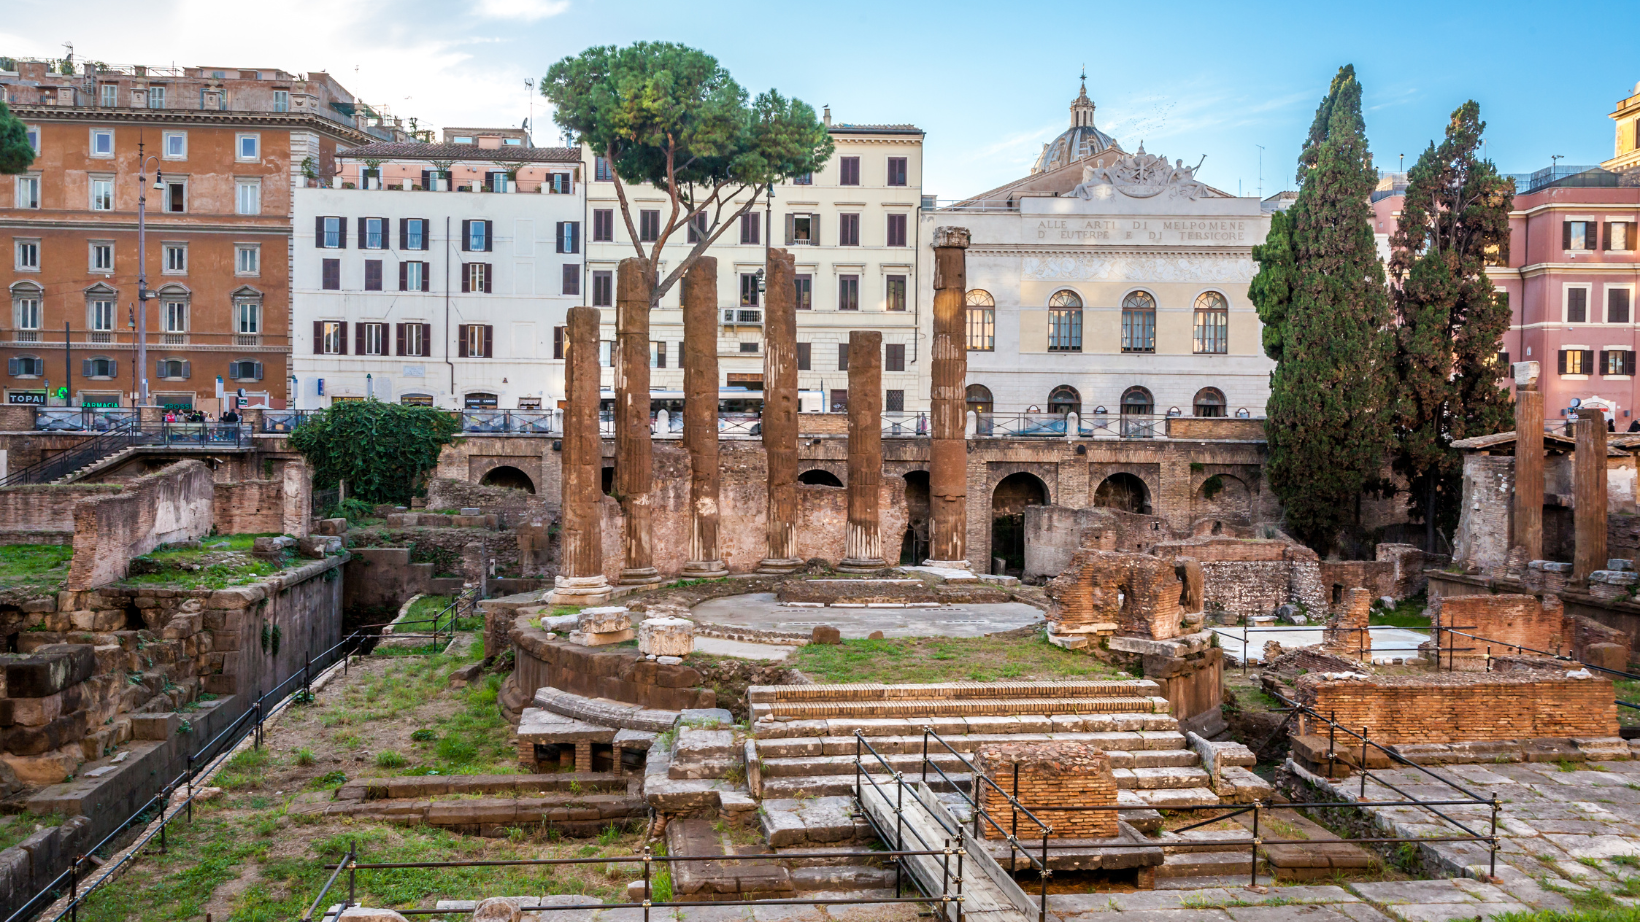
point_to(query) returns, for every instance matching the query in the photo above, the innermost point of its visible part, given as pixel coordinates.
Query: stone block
(666, 637)
(1607, 656)
(826, 634)
(49, 670)
(181, 626)
(333, 526)
(1618, 563)
(604, 620)
(586, 639)
(275, 548)
(318, 547)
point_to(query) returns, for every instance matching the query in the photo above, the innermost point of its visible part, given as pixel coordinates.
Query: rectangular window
(1139, 331)
(476, 278)
(110, 95)
(372, 233)
(649, 226)
(102, 142)
(372, 275)
(601, 171)
(102, 316)
(475, 341)
(803, 179)
(848, 230)
(1579, 235)
(657, 355)
(748, 289)
(332, 272)
(848, 292)
(412, 276)
(332, 337)
(247, 260)
(28, 314)
(896, 171)
(281, 100)
(248, 147)
(839, 400)
(176, 145)
(247, 318)
(896, 230)
(413, 236)
(28, 192)
(1577, 305)
(176, 196)
(801, 229)
(894, 401)
(1065, 330)
(982, 329)
(478, 236)
(558, 342)
(603, 225)
(842, 356)
(415, 338)
(156, 97)
(894, 357)
(248, 196)
(1576, 361)
(102, 257)
(176, 257)
(175, 316)
(572, 279)
(1617, 305)
(697, 227)
(1620, 235)
(1212, 332)
(748, 347)
(569, 236)
(1616, 362)
(332, 233)
(372, 339)
(28, 254)
(603, 288)
(804, 352)
(896, 293)
(848, 171)
(102, 195)
(805, 291)
(751, 225)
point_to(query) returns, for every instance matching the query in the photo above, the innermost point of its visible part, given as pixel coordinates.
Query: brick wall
(1450, 707)
(1481, 543)
(1245, 577)
(511, 507)
(1051, 774)
(250, 507)
(1227, 427)
(44, 514)
(1504, 619)
(165, 507)
(1053, 535)
(1138, 593)
(1346, 630)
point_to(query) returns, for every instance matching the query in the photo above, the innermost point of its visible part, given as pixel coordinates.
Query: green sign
(90, 403)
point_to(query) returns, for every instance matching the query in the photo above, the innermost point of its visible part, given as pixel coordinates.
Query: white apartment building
(854, 228)
(438, 274)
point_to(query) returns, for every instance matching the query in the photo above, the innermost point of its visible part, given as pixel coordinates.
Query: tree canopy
(672, 116)
(1320, 287)
(16, 154)
(1450, 321)
(381, 449)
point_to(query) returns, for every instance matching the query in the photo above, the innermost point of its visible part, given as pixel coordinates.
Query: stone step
(832, 878)
(834, 854)
(861, 691)
(1205, 864)
(816, 820)
(1167, 777)
(1169, 787)
(1173, 798)
(1127, 850)
(1158, 768)
(846, 745)
(915, 708)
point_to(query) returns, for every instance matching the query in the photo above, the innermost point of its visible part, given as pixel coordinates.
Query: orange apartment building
(225, 147)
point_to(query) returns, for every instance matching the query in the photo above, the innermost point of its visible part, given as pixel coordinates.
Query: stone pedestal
(780, 412)
(700, 418)
(948, 449)
(581, 581)
(1046, 775)
(666, 637)
(602, 626)
(634, 453)
(1528, 462)
(1589, 490)
(862, 539)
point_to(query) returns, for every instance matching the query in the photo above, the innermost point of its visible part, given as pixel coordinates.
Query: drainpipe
(452, 365)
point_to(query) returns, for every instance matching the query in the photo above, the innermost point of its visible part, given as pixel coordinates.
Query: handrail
(49, 469)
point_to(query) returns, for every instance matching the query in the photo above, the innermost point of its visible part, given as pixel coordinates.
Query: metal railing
(1460, 632)
(445, 622)
(899, 424)
(1058, 426)
(202, 762)
(1363, 644)
(82, 419)
(543, 422)
(89, 452)
(285, 420)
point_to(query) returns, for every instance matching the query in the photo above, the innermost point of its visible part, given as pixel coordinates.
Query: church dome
(1081, 141)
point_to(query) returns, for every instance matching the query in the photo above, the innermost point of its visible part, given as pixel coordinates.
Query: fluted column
(581, 578)
(863, 541)
(700, 417)
(634, 449)
(780, 411)
(948, 450)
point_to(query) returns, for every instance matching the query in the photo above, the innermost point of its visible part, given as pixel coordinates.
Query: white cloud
(527, 10)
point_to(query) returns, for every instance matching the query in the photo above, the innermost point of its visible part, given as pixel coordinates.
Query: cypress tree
(15, 152)
(1321, 287)
(1450, 320)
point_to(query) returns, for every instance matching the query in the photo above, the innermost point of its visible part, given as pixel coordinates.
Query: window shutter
(489, 341)
(557, 342)
(404, 275)
(187, 369)
(404, 227)
(488, 280)
(426, 273)
(114, 366)
(398, 339)
(343, 337)
(11, 367)
(558, 238)
(319, 337)
(575, 236)
(319, 231)
(1628, 362)
(461, 341)
(1565, 235)
(1588, 360)
(387, 233)
(159, 368)
(1604, 358)
(427, 340)
(358, 339)
(1607, 237)
(1562, 364)
(489, 237)
(467, 237)
(256, 370)
(85, 368)
(791, 229)
(814, 228)
(341, 231)
(803, 356)
(361, 233)
(466, 278)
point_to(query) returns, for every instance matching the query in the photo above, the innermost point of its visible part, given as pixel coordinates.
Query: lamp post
(143, 294)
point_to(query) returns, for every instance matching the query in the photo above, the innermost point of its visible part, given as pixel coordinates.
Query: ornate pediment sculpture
(1141, 175)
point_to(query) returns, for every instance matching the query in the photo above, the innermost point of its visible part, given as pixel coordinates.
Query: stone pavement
(1407, 901)
(761, 610)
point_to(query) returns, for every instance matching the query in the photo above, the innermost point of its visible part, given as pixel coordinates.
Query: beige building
(854, 227)
(1112, 285)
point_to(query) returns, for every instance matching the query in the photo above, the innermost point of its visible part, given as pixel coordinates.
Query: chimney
(827, 116)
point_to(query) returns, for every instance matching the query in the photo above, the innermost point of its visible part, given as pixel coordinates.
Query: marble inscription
(1151, 268)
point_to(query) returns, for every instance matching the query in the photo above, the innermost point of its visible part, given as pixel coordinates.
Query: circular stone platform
(762, 611)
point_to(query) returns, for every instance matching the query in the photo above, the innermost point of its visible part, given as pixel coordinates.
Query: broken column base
(704, 569)
(1080, 637)
(578, 590)
(779, 565)
(640, 576)
(948, 564)
(861, 565)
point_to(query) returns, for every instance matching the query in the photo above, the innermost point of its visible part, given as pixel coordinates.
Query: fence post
(164, 800)
(352, 870)
(1363, 763)
(307, 674)
(648, 857)
(1492, 840)
(190, 789)
(74, 888)
(899, 837)
(1014, 807)
(1332, 743)
(1252, 851)
(926, 731)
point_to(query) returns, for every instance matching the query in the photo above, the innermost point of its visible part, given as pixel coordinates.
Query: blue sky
(989, 82)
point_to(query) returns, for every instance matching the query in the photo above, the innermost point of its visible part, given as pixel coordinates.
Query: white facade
(867, 281)
(489, 348)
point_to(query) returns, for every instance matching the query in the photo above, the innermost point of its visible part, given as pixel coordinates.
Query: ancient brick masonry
(700, 424)
(948, 445)
(1051, 774)
(1346, 633)
(1137, 593)
(1525, 620)
(167, 506)
(1247, 577)
(1449, 707)
(1528, 495)
(633, 450)
(1589, 485)
(864, 541)
(780, 412)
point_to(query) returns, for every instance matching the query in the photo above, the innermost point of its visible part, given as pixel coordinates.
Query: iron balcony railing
(82, 419)
(131, 434)
(1058, 426)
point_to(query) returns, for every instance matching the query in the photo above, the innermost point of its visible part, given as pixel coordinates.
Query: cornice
(191, 117)
(130, 226)
(1025, 249)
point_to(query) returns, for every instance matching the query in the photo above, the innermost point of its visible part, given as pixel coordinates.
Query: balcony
(733, 316)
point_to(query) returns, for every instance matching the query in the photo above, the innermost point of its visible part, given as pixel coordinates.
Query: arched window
(1212, 324)
(982, 321)
(1065, 322)
(26, 298)
(100, 302)
(979, 398)
(247, 316)
(480, 401)
(172, 368)
(173, 312)
(1137, 408)
(1139, 322)
(25, 366)
(1064, 399)
(1209, 402)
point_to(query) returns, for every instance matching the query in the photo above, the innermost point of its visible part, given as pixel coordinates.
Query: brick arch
(838, 469)
(1045, 471)
(477, 468)
(1148, 474)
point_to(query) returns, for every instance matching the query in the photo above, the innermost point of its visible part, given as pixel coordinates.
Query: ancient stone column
(700, 418)
(1528, 461)
(863, 541)
(581, 578)
(948, 449)
(634, 452)
(780, 411)
(1589, 494)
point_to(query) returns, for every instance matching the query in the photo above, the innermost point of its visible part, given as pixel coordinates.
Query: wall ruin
(1449, 707)
(165, 507)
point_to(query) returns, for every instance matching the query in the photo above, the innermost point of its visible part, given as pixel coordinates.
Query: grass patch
(1407, 613)
(1612, 914)
(944, 659)
(19, 826)
(220, 561)
(34, 566)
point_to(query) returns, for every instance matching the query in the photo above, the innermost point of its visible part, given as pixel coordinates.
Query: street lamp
(143, 294)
